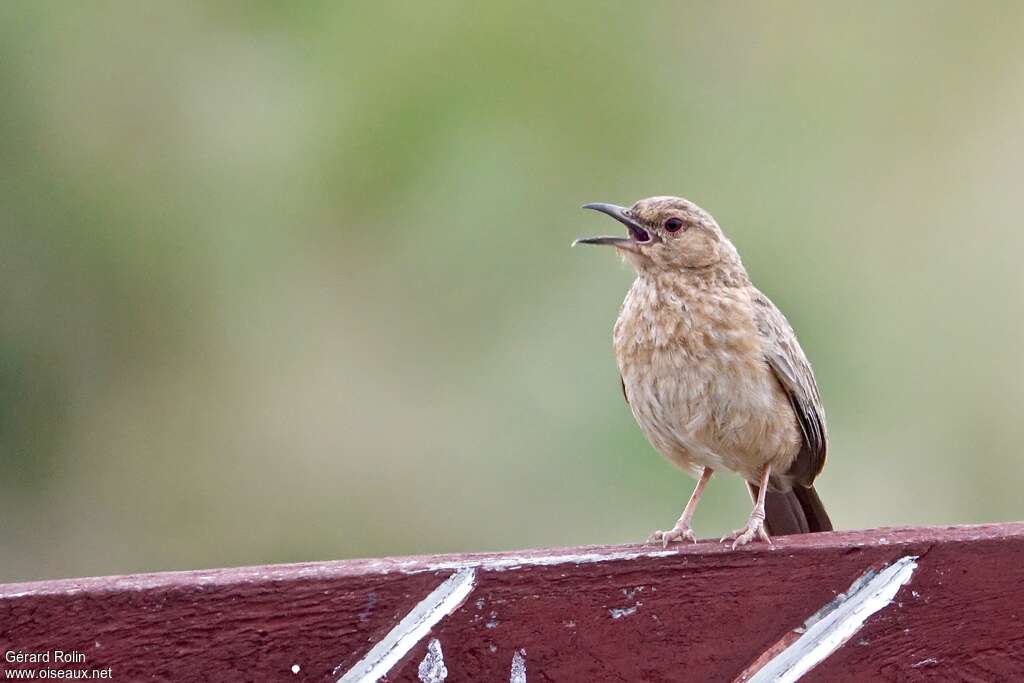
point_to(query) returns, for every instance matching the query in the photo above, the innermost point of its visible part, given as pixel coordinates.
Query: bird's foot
(754, 527)
(680, 532)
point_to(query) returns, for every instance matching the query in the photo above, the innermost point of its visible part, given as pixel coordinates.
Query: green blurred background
(292, 281)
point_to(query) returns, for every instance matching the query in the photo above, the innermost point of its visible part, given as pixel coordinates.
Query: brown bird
(712, 370)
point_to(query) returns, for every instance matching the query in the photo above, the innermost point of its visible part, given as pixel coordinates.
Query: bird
(713, 372)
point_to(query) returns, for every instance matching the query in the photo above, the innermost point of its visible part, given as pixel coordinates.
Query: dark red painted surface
(703, 613)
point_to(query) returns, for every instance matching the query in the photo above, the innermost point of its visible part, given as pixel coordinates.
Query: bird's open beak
(637, 233)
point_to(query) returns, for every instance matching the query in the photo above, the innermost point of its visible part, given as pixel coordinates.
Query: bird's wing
(791, 367)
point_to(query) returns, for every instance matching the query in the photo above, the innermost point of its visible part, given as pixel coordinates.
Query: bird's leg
(755, 524)
(682, 531)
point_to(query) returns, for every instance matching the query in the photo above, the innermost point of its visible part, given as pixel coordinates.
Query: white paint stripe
(432, 668)
(518, 672)
(515, 561)
(835, 623)
(441, 602)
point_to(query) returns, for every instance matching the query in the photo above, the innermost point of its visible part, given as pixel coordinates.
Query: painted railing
(886, 604)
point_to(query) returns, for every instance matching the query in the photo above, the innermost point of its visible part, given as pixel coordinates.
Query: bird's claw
(677, 533)
(754, 527)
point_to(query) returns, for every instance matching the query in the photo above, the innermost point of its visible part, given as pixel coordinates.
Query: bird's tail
(797, 511)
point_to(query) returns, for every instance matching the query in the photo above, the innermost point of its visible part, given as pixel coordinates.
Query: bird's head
(666, 233)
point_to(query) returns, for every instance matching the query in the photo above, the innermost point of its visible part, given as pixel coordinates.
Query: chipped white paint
(441, 602)
(837, 621)
(506, 562)
(296, 668)
(619, 612)
(518, 672)
(432, 668)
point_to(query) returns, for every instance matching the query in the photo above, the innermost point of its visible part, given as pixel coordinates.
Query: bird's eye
(673, 224)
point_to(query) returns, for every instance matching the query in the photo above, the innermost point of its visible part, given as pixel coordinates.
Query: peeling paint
(441, 602)
(499, 564)
(371, 602)
(518, 672)
(432, 668)
(629, 593)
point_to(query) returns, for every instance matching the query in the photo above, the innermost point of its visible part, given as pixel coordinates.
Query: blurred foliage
(291, 281)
